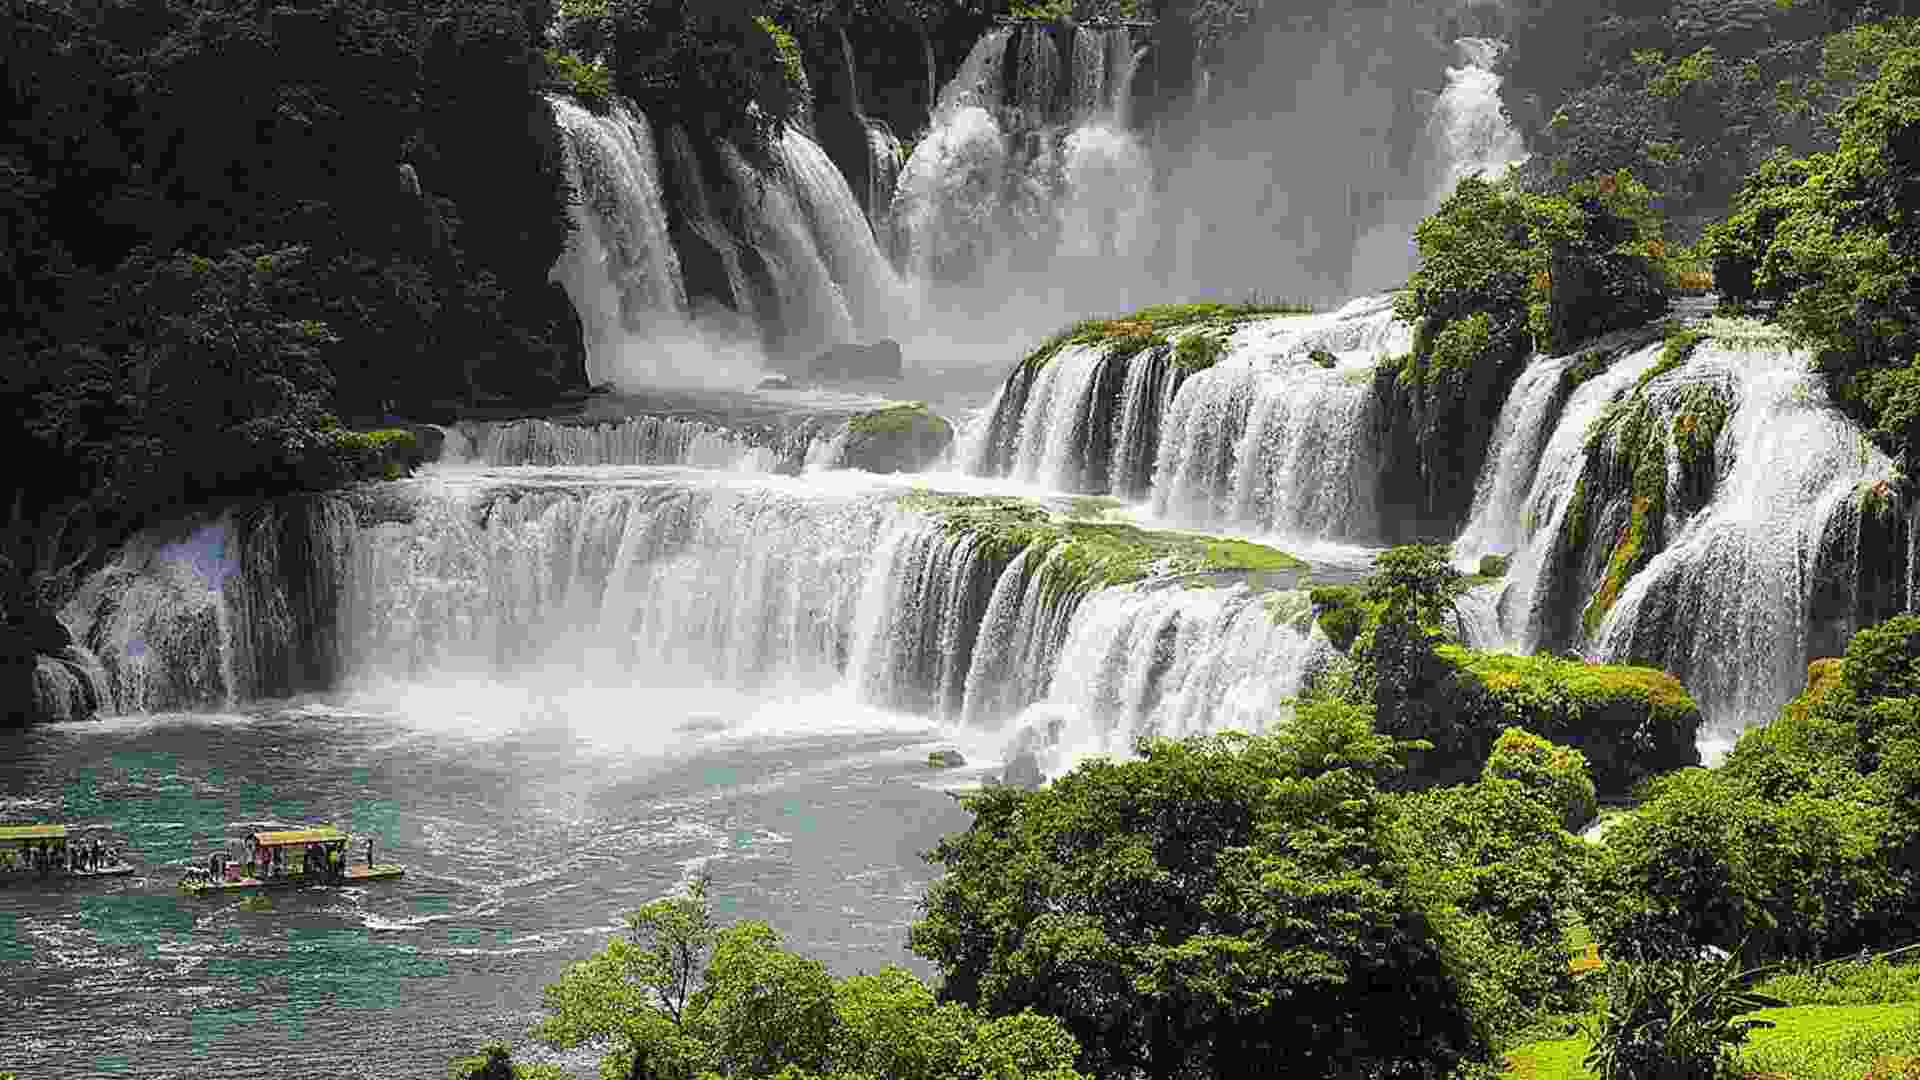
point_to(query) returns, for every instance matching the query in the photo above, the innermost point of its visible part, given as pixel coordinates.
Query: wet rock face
(905, 438)
(878, 361)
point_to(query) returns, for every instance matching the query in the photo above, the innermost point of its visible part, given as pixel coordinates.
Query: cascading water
(1027, 162)
(1527, 486)
(1266, 439)
(884, 158)
(813, 307)
(874, 296)
(1467, 134)
(1474, 136)
(620, 269)
(637, 440)
(1726, 605)
(1170, 662)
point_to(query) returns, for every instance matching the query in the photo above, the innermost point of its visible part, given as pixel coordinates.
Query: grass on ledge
(1545, 676)
(1147, 328)
(1096, 553)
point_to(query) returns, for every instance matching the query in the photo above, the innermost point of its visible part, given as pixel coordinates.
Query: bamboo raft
(354, 875)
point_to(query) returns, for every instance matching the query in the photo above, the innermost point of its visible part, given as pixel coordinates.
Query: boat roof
(32, 832)
(321, 835)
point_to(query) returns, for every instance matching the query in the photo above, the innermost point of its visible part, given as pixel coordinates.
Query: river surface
(523, 840)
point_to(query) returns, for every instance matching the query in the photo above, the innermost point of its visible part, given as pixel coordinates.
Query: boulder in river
(907, 437)
(774, 382)
(945, 759)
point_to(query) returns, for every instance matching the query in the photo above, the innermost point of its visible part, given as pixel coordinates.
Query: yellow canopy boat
(47, 850)
(282, 858)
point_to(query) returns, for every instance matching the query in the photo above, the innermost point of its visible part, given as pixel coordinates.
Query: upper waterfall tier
(694, 264)
(1278, 434)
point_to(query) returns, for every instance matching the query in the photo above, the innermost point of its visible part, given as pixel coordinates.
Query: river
(523, 843)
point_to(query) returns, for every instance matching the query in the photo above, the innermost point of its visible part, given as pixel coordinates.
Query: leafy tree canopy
(1226, 902)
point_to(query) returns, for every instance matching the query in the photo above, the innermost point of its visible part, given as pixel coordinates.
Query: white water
(619, 268)
(1169, 662)
(1267, 440)
(1529, 526)
(874, 295)
(1725, 605)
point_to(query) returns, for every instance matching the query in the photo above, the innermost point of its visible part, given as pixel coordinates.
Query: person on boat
(369, 854)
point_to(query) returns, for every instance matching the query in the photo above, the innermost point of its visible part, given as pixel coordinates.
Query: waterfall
(1025, 622)
(1725, 606)
(1028, 179)
(844, 237)
(813, 309)
(1266, 438)
(1528, 482)
(704, 229)
(1470, 129)
(1170, 662)
(241, 607)
(1467, 134)
(636, 440)
(615, 583)
(619, 268)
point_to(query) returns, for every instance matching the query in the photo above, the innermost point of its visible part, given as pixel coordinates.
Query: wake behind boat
(47, 851)
(284, 858)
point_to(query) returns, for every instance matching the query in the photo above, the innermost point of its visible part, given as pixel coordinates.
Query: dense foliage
(1831, 239)
(230, 223)
(683, 997)
(1689, 95)
(1805, 843)
(1503, 272)
(1217, 905)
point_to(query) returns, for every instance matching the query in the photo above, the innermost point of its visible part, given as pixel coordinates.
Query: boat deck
(19, 874)
(355, 875)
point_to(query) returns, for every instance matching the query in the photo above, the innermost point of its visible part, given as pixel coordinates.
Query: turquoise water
(523, 842)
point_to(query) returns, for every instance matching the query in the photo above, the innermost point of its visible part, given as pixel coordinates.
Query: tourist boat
(284, 858)
(45, 851)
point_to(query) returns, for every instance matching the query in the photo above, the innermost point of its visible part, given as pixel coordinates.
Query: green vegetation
(1794, 847)
(1828, 240)
(1090, 554)
(1686, 94)
(495, 1062)
(1492, 568)
(228, 226)
(681, 995)
(1147, 328)
(1557, 774)
(1338, 608)
(892, 419)
(1527, 685)
(1198, 352)
(1504, 271)
(1215, 901)
(1804, 1042)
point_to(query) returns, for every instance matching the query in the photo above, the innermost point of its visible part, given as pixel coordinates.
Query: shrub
(1556, 774)
(1673, 1019)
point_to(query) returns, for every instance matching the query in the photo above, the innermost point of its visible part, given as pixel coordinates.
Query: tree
(681, 998)
(1229, 901)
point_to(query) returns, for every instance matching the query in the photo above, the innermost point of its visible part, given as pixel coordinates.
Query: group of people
(47, 856)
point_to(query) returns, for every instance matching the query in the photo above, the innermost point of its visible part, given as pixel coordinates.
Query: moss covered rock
(1095, 554)
(1630, 722)
(899, 438)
